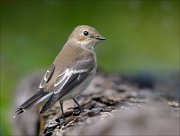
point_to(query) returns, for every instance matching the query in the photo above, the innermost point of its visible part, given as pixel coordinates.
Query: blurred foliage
(141, 35)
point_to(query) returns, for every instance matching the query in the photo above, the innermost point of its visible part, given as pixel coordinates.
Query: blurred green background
(141, 36)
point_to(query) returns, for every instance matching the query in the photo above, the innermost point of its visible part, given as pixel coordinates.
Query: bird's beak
(101, 38)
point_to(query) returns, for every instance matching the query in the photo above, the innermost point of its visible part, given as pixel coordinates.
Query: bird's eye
(86, 33)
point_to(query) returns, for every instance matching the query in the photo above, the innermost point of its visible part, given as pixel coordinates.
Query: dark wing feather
(64, 78)
(30, 102)
(66, 84)
(47, 76)
(74, 82)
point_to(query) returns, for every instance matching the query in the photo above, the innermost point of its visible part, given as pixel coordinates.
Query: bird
(70, 73)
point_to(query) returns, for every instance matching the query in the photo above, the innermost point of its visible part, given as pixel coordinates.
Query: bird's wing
(68, 79)
(47, 76)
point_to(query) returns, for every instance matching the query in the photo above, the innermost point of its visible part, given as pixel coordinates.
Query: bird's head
(85, 36)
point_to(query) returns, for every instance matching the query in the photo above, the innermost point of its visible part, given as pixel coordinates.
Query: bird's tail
(37, 98)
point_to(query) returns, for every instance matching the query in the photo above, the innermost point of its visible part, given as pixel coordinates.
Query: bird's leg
(80, 108)
(61, 105)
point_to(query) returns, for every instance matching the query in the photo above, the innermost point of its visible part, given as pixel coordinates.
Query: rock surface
(113, 105)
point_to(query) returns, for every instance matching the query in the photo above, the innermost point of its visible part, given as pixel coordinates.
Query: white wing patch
(40, 86)
(47, 76)
(65, 76)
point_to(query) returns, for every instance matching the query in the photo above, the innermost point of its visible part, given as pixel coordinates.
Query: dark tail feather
(51, 101)
(30, 102)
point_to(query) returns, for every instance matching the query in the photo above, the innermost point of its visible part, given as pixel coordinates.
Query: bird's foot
(78, 111)
(81, 110)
